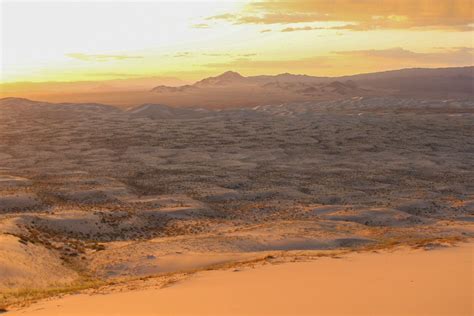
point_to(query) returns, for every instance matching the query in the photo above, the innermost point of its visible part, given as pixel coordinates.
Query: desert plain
(140, 202)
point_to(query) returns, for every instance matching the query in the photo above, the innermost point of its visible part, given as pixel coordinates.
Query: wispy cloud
(200, 26)
(450, 56)
(452, 15)
(266, 64)
(121, 75)
(211, 54)
(393, 58)
(101, 57)
(183, 54)
(303, 28)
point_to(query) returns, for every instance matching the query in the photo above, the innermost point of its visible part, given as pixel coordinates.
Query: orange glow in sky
(99, 40)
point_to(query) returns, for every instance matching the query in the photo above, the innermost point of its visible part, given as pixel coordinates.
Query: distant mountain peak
(230, 75)
(415, 82)
(227, 77)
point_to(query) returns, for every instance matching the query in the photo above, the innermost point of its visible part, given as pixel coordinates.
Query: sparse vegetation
(110, 198)
(23, 297)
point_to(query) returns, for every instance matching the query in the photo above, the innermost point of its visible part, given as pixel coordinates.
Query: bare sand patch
(26, 265)
(386, 283)
(151, 264)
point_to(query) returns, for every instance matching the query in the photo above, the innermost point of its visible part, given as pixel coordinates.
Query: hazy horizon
(178, 81)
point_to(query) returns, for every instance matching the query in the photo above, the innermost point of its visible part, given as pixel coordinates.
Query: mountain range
(233, 90)
(406, 81)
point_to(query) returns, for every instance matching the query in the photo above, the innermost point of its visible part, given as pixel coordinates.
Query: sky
(65, 40)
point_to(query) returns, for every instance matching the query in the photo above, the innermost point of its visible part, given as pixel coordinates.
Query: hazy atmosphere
(190, 40)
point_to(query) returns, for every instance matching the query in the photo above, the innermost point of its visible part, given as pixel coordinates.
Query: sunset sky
(99, 40)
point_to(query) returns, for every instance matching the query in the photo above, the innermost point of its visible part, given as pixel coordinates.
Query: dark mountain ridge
(408, 82)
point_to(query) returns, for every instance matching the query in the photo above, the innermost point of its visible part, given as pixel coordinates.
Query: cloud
(269, 18)
(266, 64)
(225, 16)
(211, 54)
(303, 28)
(356, 60)
(200, 26)
(448, 56)
(248, 55)
(100, 57)
(218, 54)
(452, 15)
(114, 75)
(183, 54)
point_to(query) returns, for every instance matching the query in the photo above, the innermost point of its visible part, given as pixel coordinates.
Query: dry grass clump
(24, 297)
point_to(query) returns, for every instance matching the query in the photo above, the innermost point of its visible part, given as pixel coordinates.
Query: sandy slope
(24, 264)
(405, 282)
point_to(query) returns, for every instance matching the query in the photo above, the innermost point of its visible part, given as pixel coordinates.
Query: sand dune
(24, 265)
(404, 282)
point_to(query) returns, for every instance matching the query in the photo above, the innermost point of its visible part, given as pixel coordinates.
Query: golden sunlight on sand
(403, 282)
